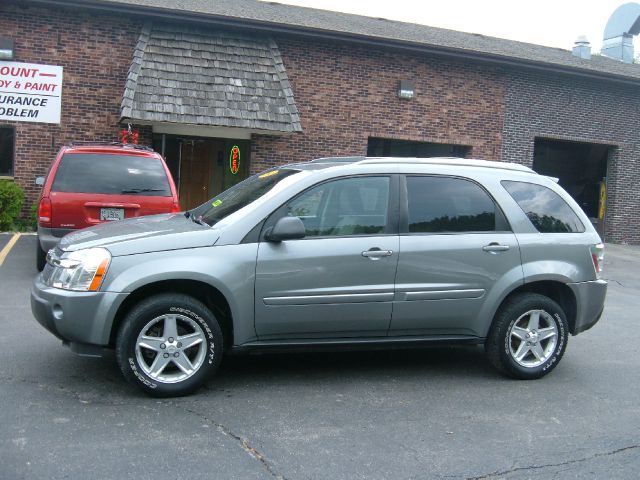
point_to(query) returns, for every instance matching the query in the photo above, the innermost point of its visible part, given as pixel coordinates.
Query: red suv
(91, 184)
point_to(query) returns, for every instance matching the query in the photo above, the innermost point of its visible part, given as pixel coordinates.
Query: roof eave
(243, 23)
(140, 120)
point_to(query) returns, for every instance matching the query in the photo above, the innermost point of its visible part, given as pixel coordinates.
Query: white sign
(30, 92)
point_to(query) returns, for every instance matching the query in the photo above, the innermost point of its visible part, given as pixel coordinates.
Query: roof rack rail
(89, 143)
(338, 159)
(449, 161)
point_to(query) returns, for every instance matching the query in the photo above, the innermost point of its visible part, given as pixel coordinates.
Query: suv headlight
(81, 271)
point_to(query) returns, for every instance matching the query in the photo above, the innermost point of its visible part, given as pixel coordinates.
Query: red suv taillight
(597, 256)
(44, 212)
(175, 208)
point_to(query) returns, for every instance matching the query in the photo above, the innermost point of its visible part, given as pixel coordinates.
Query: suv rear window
(548, 212)
(111, 174)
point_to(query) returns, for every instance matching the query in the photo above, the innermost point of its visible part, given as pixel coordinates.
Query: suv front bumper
(589, 303)
(81, 319)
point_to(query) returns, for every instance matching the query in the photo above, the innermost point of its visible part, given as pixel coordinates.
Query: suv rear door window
(445, 204)
(111, 174)
(546, 210)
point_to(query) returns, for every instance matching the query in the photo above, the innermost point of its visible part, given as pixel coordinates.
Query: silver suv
(338, 252)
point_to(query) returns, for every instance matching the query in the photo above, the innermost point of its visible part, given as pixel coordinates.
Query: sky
(554, 23)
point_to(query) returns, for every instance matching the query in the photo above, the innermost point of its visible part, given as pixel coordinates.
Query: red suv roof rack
(113, 144)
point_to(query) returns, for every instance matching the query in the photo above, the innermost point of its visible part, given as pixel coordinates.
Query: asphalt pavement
(435, 413)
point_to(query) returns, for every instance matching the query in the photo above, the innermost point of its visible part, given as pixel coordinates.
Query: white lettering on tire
(138, 375)
(205, 327)
(560, 345)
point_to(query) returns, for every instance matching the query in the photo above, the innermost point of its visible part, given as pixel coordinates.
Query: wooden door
(196, 159)
(204, 169)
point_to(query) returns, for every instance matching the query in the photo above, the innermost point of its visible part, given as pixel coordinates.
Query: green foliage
(11, 199)
(33, 217)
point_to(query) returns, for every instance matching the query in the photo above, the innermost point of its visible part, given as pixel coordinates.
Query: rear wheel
(528, 337)
(41, 256)
(169, 345)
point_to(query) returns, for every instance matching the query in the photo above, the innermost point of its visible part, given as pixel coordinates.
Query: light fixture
(406, 89)
(6, 49)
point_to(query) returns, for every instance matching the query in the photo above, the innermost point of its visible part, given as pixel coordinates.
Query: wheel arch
(557, 291)
(213, 298)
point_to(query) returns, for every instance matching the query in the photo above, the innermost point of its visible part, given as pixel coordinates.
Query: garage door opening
(582, 171)
(384, 147)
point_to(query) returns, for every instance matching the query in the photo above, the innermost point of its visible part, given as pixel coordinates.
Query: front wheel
(528, 336)
(169, 344)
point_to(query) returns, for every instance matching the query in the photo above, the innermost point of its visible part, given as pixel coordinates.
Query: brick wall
(95, 52)
(569, 108)
(346, 94)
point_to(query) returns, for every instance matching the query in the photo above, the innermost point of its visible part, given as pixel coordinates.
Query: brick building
(196, 78)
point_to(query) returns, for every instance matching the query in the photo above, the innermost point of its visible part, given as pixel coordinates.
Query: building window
(6, 151)
(384, 147)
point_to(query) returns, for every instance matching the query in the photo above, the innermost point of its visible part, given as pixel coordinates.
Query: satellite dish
(623, 24)
(625, 20)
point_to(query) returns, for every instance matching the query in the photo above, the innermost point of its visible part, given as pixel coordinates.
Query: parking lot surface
(436, 413)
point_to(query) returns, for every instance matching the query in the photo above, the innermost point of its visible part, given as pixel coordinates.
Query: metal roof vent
(582, 48)
(623, 24)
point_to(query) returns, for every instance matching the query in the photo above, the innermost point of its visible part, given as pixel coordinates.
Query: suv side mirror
(287, 228)
(39, 181)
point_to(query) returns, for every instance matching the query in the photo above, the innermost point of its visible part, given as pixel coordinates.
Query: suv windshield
(239, 196)
(111, 174)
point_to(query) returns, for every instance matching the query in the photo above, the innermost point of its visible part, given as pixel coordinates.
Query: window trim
(501, 221)
(13, 159)
(391, 228)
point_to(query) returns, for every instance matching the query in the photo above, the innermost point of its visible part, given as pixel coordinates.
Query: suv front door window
(351, 206)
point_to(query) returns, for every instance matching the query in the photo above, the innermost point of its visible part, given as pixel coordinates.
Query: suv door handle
(495, 247)
(375, 253)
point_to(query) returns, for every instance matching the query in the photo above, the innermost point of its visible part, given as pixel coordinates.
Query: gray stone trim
(286, 86)
(134, 70)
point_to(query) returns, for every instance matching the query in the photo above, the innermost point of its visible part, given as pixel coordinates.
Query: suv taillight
(44, 212)
(176, 208)
(597, 256)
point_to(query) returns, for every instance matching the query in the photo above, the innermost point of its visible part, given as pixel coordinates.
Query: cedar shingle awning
(185, 75)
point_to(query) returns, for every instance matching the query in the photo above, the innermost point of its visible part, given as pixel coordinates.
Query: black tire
(41, 256)
(191, 317)
(503, 342)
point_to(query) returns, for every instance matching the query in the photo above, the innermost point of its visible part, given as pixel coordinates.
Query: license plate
(111, 214)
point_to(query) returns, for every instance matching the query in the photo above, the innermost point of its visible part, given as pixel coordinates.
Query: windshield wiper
(141, 190)
(195, 219)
